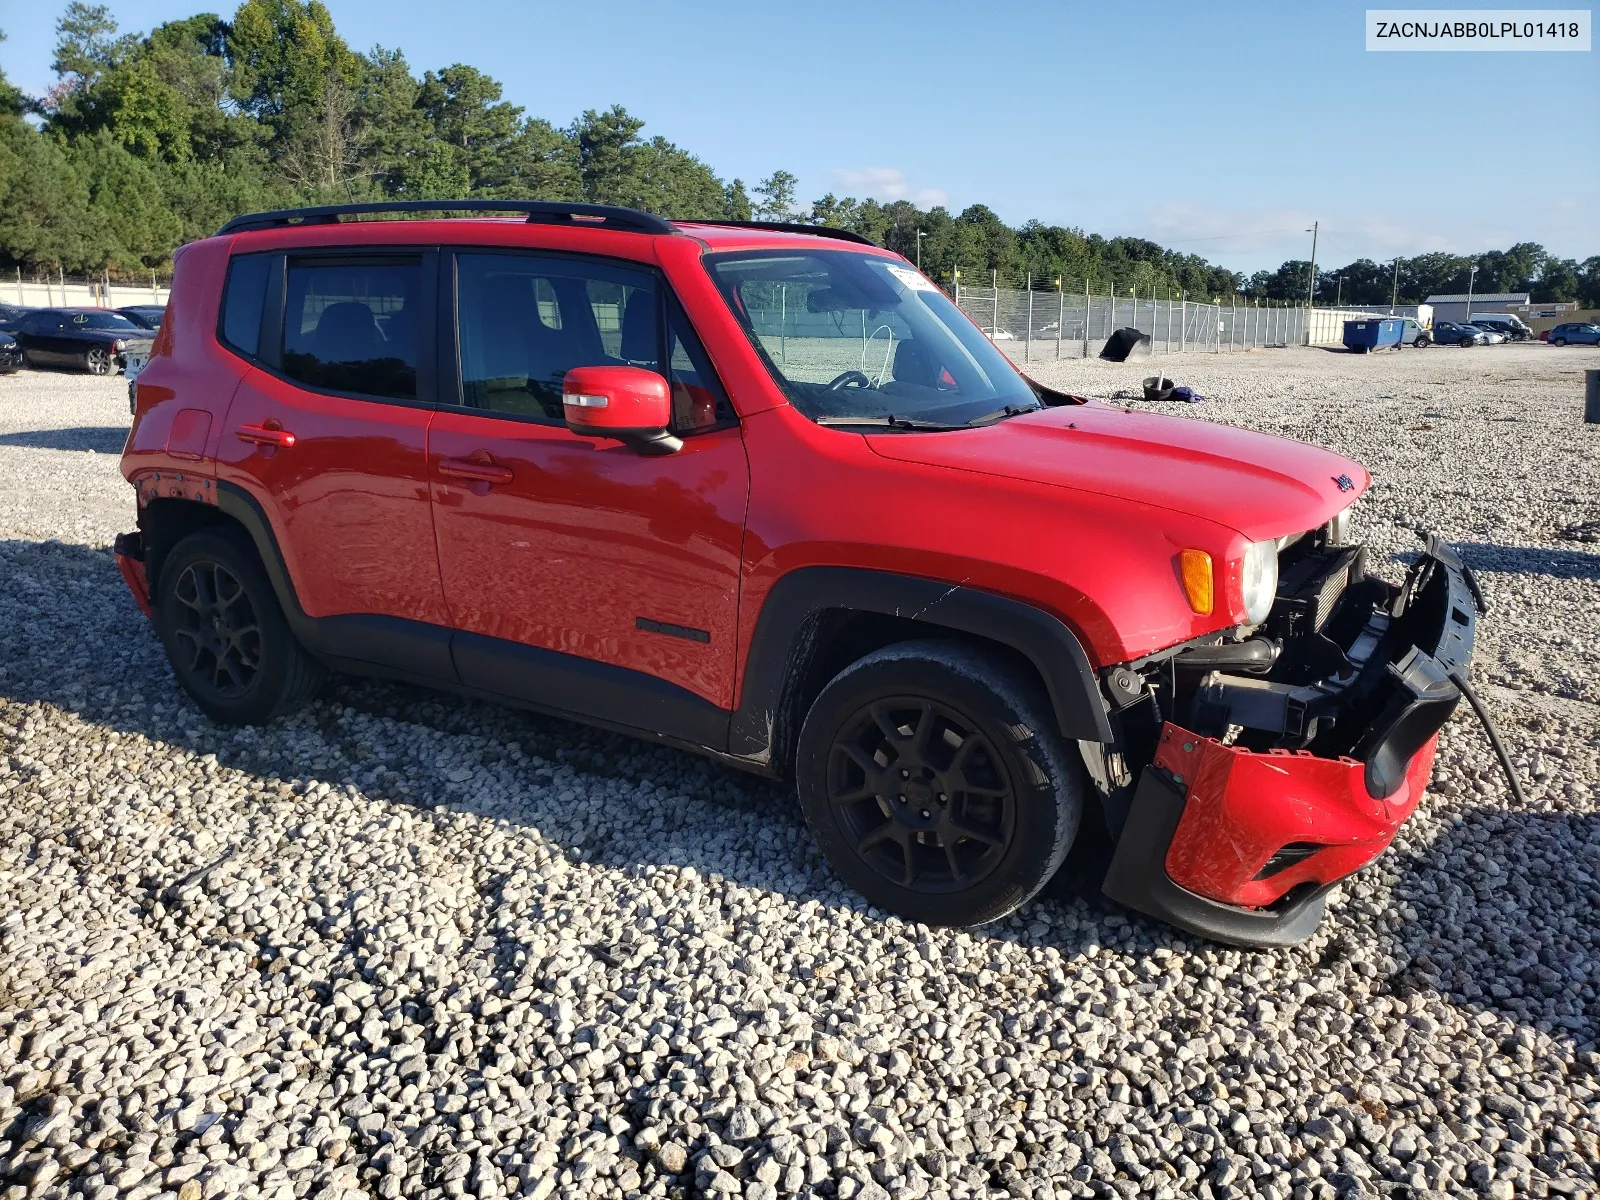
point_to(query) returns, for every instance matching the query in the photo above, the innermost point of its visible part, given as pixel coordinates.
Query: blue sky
(1219, 129)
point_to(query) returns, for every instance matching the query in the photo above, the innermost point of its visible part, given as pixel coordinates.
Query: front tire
(1467, 343)
(935, 781)
(1558, 341)
(225, 634)
(97, 360)
(1420, 343)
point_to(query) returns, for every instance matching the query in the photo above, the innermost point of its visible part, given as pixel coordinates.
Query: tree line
(1526, 267)
(146, 142)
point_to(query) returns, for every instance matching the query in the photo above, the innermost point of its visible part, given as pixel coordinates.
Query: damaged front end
(1251, 772)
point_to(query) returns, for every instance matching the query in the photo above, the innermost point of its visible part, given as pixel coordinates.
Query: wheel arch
(818, 620)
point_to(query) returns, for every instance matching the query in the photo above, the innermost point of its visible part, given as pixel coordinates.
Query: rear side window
(243, 299)
(352, 327)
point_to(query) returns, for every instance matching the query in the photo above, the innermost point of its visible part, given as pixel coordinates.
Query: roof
(1486, 297)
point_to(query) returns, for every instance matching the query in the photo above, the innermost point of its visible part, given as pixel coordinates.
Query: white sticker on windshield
(915, 280)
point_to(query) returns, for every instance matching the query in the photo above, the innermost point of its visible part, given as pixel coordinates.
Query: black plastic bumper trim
(1138, 879)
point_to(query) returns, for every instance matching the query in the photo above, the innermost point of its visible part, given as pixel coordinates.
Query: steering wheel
(850, 379)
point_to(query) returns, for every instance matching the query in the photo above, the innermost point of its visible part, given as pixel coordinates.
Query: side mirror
(629, 404)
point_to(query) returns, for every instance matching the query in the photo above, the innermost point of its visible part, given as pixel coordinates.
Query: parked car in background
(1506, 323)
(1492, 334)
(1448, 333)
(93, 339)
(1577, 333)
(147, 315)
(1415, 335)
(11, 315)
(10, 355)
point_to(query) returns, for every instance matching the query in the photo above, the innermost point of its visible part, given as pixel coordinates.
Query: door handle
(265, 435)
(478, 472)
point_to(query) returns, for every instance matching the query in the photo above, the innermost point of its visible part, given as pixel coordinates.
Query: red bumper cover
(1257, 826)
(129, 552)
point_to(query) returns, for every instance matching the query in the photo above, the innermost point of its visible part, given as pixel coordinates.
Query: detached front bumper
(1242, 845)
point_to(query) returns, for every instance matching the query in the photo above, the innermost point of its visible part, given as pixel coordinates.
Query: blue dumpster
(1373, 334)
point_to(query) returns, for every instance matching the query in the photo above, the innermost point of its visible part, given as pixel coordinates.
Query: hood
(1259, 485)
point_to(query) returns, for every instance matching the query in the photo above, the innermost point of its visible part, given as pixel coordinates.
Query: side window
(352, 327)
(698, 401)
(243, 298)
(524, 321)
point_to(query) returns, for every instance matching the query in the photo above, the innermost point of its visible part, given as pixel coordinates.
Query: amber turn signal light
(1194, 566)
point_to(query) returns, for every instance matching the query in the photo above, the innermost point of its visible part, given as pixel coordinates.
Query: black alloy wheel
(919, 790)
(97, 360)
(217, 628)
(934, 779)
(224, 632)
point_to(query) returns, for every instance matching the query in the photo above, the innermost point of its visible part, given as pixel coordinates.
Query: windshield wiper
(1010, 410)
(890, 422)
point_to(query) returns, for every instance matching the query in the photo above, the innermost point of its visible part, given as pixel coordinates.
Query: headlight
(118, 346)
(1259, 580)
(1339, 527)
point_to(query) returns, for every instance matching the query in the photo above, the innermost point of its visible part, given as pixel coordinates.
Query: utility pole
(1311, 289)
(1338, 294)
(1394, 288)
(920, 236)
(1472, 278)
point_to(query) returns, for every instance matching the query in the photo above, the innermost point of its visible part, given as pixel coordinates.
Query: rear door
(584, 575)
(329, 435)
(42, 335)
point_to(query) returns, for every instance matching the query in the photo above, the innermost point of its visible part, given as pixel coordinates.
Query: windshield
(851, 335)
(105, 320)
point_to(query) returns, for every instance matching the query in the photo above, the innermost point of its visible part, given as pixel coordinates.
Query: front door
(329, 435)
(586, 577)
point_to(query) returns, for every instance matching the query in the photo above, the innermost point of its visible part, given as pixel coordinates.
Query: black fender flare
(781, 645)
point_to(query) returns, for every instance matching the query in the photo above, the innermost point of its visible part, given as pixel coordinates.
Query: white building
(1454, 307)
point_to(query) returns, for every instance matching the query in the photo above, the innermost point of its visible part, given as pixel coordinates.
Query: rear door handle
(265, 435)
(478, 472)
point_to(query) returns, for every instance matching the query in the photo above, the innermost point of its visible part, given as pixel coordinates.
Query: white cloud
(886, 184)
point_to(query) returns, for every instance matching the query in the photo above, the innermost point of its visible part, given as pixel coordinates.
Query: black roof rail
(546, 212)
(824, 231)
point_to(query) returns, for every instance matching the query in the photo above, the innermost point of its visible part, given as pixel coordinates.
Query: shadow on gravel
(102, 439)
(1505, 920)
(1504, 901)
(1524, 560)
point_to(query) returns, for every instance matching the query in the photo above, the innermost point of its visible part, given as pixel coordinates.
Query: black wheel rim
(218, 638)
(920, 794)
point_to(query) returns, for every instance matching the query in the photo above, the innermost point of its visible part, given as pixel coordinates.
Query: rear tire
(97, 360)
(935, 781)
(1558, 341)
(225, 634)
(1467, 343)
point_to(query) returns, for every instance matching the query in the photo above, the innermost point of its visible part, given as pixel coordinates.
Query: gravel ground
(410, 945)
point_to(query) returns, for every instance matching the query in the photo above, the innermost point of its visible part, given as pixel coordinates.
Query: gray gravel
(407, 945)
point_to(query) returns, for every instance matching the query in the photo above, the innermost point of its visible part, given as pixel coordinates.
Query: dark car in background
(1449, 333)
(92, 339)
(147, 315)
(1577, 333)
(10, 355)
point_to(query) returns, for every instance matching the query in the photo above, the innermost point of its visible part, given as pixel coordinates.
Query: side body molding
(779, 647)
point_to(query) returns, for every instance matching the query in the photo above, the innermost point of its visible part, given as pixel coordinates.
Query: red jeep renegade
(764, 492)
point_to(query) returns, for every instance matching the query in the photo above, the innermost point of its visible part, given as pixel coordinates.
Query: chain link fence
(63, 291)
(1041, 326)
